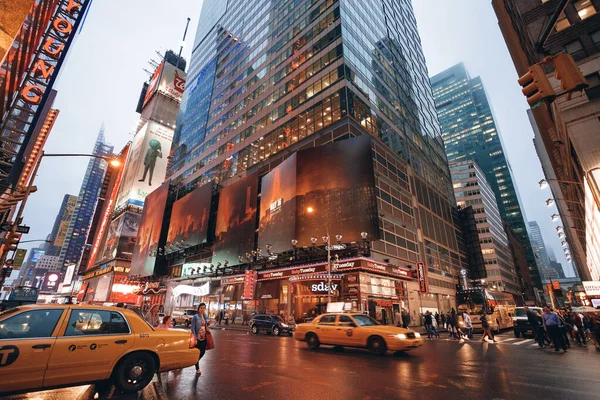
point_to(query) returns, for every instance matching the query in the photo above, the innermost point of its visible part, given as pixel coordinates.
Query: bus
(498, 306)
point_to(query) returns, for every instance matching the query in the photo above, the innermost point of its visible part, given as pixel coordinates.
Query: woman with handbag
(200, 332)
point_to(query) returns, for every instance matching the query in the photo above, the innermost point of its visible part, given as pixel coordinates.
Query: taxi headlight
(399, 336)
(417, 334)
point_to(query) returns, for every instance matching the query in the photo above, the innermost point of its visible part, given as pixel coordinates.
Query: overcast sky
(104, 73)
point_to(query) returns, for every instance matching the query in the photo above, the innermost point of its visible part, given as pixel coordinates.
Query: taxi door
(346, 329)
(92, 342)
(27, 340)
(326, 329)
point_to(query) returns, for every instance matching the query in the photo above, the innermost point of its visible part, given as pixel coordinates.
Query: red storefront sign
(422, 277)
(249, 284)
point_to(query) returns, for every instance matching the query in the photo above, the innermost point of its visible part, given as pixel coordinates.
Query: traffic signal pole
(19, 215)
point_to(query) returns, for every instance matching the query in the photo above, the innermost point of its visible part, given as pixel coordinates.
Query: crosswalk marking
(509, 339)
(524, 341)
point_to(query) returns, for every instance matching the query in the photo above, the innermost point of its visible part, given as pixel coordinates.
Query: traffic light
(567, 72)
(12, 240)
(536, 86)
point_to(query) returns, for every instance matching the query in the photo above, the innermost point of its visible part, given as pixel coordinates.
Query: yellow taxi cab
(356, 330)
(50, 346)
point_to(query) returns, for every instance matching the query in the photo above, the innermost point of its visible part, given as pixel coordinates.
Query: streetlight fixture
(555, 217)
(544, 183)
(564, 243)
(549, 202)
(559, 228)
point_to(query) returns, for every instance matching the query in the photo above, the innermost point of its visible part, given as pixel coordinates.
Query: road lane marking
(524, 341)
(509, 340)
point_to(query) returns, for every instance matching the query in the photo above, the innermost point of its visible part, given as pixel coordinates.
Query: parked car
(183, 317)
(356, 330)
(59, 345)
(521, 325)
(273, 324)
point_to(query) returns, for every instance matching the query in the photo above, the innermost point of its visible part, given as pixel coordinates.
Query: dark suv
(521, 325)
(271, 324)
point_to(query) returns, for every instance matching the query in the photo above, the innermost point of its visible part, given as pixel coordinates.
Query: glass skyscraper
(85, 206)
(470, 133)
(269, 78)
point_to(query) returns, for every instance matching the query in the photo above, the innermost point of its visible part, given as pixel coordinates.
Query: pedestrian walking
(578, 329)
(398, 318)
(405, 319)
(552, 324)
(437, 318)
(200, 330)
(428, 322)
(536, 326)
(487, 332)
(468, 325)
(166, 322)
(152, 316)
(221, 316)
(565, 329)
(443, 318)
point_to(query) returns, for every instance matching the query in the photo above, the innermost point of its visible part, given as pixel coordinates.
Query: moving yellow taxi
(49, 346)
(356, 330)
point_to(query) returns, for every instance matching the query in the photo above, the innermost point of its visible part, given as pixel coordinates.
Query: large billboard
(121, 237)
(189, 218)
(146, 165)
(336, 182)
(277, 225)
(168, 80)
(236, 220)
(330, 187)
(146, 246)
(65, 220)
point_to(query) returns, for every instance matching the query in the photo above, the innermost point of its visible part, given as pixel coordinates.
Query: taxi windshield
(365, 320)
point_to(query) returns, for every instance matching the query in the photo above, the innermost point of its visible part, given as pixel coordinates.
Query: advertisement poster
(153, 84)
(335, 191)
(65, 220)
(277, 225)
(146, 246)
(120, 240)
(146, 165)
(236, 220)
(167, 79)
(189, 218)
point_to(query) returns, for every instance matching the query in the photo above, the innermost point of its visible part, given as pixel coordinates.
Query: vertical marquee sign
(422, 277)
(22, 116)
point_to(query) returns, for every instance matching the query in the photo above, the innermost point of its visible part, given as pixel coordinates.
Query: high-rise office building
(539, 249)
(61, 225)
(271, 81)
(470, 133)
(83, 212)
(472, 189)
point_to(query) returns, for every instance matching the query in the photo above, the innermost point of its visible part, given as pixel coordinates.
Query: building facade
(470, 133)
(471, 188)
(268, 81)
(83, 212)
(539, 249)
(565, 129)
(61, 225)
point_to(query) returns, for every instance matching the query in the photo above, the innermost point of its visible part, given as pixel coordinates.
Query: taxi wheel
(134, 372)
(377, 346)
(276, 331)
(312, 341)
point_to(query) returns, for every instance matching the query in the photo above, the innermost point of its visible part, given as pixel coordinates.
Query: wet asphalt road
(246, 366)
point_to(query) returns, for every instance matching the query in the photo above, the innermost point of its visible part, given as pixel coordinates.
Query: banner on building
(146, 246)
(65, 220)
(422, 278)
(146, 165)
(189, 219)
(19, 258)
(592, 288)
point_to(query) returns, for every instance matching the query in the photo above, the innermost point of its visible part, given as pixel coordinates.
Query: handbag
(210, 342)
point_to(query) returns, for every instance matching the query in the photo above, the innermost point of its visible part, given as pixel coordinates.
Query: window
(346, 321)
(596, 39)
(562, 22)
(327, 320)
(576, 50)
(30, 324)
(584, 8)
(96, 322)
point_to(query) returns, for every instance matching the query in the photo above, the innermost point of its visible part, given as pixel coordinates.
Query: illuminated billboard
(146, 246)
(168, 80)
(65, 219)
(189, 219)
(146, 165)
(120, 240)
(236, 220)
(335, 182)
(277, 225)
